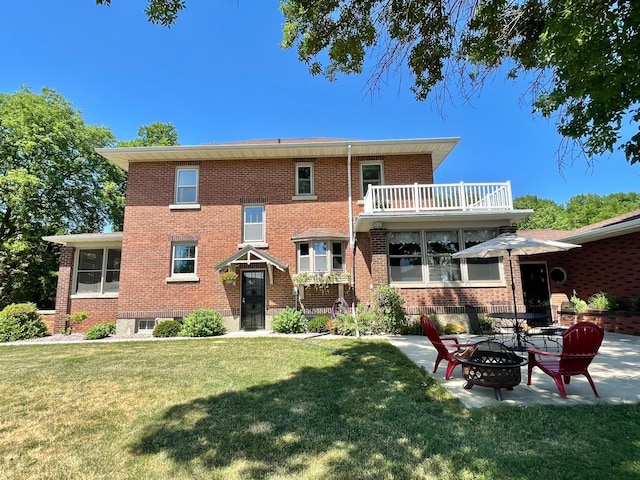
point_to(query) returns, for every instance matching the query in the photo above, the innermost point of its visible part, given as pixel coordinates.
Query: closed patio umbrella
(512, 244)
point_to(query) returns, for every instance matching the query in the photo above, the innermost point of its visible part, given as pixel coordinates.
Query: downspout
(352, 240)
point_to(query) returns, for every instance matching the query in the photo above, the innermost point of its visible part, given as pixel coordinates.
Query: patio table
(517, 319)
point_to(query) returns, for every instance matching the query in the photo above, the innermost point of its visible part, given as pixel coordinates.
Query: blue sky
(219, 75)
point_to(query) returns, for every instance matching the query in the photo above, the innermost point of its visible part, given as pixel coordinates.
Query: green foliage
(20, 321)
(452, 329)
(101, 330)
(202, 323)
(289, 321)
(580, 210)
(389, 306)
(74, 319)
(167, 328)
(52, 182)
(365, 321)
(579, 305)
(156, 134)
(319, 324)
(412, 327)
(603, 301)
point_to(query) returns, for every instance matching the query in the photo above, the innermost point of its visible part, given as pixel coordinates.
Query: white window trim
(312, 261)
(310, 165)
(370, 162)
(183, 277)
(256, 243)
(105, 254)
(176, 203)
(464, 275)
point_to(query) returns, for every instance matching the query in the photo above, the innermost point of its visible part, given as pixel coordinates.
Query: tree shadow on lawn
(373, 415)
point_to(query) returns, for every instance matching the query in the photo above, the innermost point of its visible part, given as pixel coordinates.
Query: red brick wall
(99, 309)
(610, 265)
(150, 226)
(63, 289)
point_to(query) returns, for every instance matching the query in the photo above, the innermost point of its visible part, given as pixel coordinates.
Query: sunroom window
(98, 271)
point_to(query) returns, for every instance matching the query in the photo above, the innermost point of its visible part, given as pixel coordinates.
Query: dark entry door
(252, 313)
(535, 287)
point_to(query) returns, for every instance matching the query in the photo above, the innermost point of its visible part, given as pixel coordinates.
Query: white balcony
(448, 197)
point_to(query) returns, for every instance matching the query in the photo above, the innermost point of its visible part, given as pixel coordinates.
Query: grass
(279, 408)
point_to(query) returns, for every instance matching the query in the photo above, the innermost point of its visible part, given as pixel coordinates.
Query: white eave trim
(439, 148)
(616, 230)
(83, 239)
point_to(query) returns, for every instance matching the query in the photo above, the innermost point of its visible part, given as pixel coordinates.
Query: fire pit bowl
(491, 364)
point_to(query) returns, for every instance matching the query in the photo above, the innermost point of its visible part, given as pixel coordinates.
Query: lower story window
(425, 256)
(146, 325)
(184, 259)
(98, 271)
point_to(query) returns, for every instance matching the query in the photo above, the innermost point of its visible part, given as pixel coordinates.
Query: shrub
(319, 324)
(202, 323)
(167, 328)
(289, 321)
(413, 327)
(452, 329)
(73, 320)
(603, 301)
(389, 307)
(101, 330)
(20, 321)
(365, 320)
(579, 305)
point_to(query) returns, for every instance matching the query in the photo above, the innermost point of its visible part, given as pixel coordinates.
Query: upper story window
(425, 256)
(187, 185)
(183, 262)
(304, 179)
(321, 256)
(253, 230)
(98, 271)
(371, 173)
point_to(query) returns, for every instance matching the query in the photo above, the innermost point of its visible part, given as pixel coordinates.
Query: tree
(582, 57)
(156, 134)
(51, 182)
(548, 214)
(580, 210)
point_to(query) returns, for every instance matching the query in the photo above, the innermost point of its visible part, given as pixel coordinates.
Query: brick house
(308, 221)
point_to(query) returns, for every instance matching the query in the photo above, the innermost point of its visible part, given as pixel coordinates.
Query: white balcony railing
(443, 197)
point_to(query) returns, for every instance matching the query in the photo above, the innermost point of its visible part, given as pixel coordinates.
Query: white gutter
(352, 241)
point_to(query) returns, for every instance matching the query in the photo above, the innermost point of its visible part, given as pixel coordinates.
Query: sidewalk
(615, 372)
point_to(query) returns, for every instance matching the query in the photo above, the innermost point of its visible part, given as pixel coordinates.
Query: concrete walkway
(615, 372)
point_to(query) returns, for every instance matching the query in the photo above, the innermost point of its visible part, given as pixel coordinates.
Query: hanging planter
(320, 280)
(229, 277)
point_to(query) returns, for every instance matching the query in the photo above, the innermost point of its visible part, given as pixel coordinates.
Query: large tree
(582, 57)
(155, 134)
(51, 182)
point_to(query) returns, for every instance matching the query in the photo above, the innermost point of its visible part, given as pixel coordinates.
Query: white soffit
(79, 239)
(439, 148)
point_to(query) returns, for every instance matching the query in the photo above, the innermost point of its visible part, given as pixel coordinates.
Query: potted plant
(229, 277)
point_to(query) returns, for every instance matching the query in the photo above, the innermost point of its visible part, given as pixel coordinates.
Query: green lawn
(280, 408)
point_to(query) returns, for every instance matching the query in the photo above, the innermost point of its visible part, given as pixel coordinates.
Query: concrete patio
(615, 372)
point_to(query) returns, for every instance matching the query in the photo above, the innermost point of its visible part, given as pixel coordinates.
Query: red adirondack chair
(445, 351)
(580, 343)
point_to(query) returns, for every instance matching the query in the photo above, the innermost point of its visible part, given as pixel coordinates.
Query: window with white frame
(184, 259)
(253, 229)
(186, 185)
(98, 271)
(304, 179)
(371, 173)
(425, 256)
(320, 256)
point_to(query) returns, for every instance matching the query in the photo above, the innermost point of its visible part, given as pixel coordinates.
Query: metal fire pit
(491, 364)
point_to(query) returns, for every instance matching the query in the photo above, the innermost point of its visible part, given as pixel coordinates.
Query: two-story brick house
(349, 215)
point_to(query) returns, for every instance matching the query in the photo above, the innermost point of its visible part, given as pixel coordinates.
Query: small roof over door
(251, 255)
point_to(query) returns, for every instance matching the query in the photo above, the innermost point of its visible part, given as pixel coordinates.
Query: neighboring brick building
(326, 218)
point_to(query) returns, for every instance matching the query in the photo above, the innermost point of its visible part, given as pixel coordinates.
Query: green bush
(453, 329)
(74, 319)
(290, 321)
(167, 328)
(389, 307)
(202, 323)
(366, 319)
(20, 321)
(319, 324)
(101, 330)
(413, 327)
(603, 301)
(579, 305)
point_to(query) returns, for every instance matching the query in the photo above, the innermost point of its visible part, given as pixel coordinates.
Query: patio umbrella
(511, 244)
